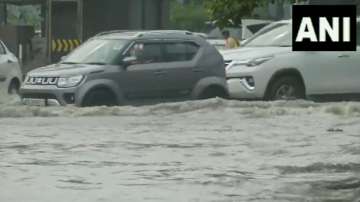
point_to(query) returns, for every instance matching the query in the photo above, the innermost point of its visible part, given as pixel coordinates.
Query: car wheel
(14, 87)
(213, 92)
(287, 88)
(99, 97)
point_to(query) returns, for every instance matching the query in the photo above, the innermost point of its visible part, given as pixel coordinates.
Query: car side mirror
(127, 61)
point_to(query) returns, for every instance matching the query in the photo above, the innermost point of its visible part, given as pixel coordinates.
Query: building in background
(277, 10)
(336, 2)
(282, 9)
(67, 23)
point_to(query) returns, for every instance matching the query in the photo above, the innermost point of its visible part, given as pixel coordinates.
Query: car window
(97, 51)
(180, 51)
(276, 36)
(146, 53)
(2, 49)
(192, 49)
(264, 30)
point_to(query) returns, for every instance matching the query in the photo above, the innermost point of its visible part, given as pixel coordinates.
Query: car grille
(42, 80)
(44, 96)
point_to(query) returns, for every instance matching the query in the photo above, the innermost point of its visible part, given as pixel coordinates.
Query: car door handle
(343, 56)
(198, 70)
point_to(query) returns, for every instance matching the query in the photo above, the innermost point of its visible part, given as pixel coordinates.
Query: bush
(190, 16)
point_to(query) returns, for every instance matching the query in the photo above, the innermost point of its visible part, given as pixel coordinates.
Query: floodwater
(214, 150)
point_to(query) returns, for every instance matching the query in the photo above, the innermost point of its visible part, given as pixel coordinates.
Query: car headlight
(250, 63)
(258, 61)
(68, 82)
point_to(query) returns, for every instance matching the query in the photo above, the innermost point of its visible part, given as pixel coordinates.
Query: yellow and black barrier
(64, 45)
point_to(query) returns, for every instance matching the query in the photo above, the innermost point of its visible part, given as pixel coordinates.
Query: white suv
(267, 68)
(10, 71)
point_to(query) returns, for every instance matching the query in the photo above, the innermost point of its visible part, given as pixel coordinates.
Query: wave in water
(10, 106)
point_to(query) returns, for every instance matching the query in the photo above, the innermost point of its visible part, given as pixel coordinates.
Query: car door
(334, 73)
(181, 72)
(348, 73)
(4, 65)
(337, 72)
(142, 77)
(351, 68)
(325, 73)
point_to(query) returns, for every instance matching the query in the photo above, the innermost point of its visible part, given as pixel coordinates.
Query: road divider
(64, 45)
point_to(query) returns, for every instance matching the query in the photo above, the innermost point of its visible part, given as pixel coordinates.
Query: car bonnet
(248, 53)
(63, 70)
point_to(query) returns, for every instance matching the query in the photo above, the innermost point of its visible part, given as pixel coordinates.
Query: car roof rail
(158, 32)
(142, 33)
(112, 32)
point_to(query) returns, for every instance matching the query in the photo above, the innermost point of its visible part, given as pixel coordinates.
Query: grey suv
(119, 68)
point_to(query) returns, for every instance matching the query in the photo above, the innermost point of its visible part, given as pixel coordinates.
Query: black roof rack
(155, 32)
(142, 33)
(113, 32)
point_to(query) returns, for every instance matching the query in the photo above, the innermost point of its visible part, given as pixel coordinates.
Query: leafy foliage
(24, 15)
(190, 16)
(230, 12)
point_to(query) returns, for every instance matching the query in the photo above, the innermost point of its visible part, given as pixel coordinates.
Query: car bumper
(40, 102)
(238, 89)
(47, 95)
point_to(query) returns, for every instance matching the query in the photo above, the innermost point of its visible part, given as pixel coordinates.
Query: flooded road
(213, 150)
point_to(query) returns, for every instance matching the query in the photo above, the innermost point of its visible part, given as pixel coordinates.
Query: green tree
(190, 16)
(24, 15)
(230, 12)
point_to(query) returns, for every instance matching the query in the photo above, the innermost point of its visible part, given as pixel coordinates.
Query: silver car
(267, 68)
(10, 71)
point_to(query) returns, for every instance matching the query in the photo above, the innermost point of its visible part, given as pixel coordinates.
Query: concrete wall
(105, 15)
(124, 15)
(165, 17)
(135, 17)
(149, 14)
(2, 14)
(274, 11)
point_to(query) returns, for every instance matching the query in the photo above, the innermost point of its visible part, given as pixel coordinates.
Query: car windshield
(277, 36)
(97, 52)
